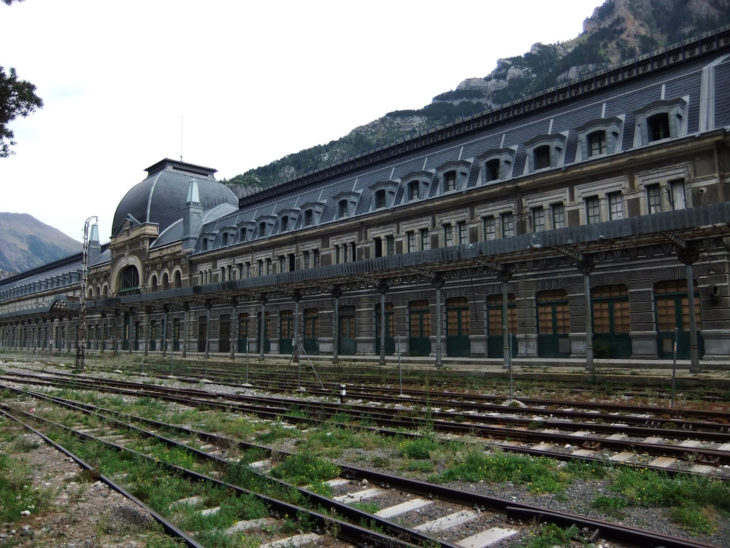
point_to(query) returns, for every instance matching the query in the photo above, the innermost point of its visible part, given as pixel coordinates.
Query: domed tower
(161, 198)
(162, 217)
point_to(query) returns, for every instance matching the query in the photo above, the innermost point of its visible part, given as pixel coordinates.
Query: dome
(161, 197)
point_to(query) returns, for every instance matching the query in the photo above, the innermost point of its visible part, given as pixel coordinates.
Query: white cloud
(254, 81)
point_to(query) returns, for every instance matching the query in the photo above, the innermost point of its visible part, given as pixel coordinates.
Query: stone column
(262, 327)
(146, 330)
(687, 256)
(503, 276)
(234, 327)
(208, 308)
(336, 294)
(166, 310)
(438, 283)
(382, 288)
(585, 268)
(186, 310)
(295, 327)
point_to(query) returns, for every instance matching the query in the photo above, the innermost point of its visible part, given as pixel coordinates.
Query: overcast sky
(251, 81)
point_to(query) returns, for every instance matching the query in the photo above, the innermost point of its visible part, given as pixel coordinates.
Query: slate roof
(160, 198)
(618, 92)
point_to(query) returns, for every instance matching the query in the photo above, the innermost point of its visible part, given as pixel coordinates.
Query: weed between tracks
(695, 503)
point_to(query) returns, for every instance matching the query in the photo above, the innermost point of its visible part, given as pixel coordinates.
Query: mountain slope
(26, 243)
(618, 30)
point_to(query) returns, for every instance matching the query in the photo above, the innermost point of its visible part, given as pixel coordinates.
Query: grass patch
(304, 469)
(538, 474)
(610, 505)
(16, 494)
(550, 535)
(693, 500)
(419, 448)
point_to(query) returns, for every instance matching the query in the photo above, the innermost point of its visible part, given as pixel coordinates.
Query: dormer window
(454, 175)
(496, 164)
(312, 211)
(383, 193)
(346, 203)
(661, 120)
(288, 219)
(658, 127)
(599, 137)
(265, 225)
(545, 151)
(416, 185)
(224, 239)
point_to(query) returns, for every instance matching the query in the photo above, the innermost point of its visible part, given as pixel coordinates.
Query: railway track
(640, 439)
(426, 509)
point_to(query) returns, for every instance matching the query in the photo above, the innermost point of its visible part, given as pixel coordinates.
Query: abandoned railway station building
(590, 220)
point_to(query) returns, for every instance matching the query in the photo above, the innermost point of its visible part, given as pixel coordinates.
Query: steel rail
(167, 525)
(353, 514)
(708, 456)
(510, 507)
(346, 530)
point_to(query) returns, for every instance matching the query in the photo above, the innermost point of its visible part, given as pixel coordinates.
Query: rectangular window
(541, 157)
(448, 236)
(679, 198)
(593, 210)
(413, 190)
(492, 170)
(450, 181)
(558, 212)
(306, 259)
(389, 245)
(461, 233)
(268, 266)
(344, 253)
(380, 198)
(538, 219)
(654, 199)
(282, 263)
(410, 241)
(315, 257)
(597, 143)
(337, 254)
(615, 206)
(378, 247)
(425, 239)
(489, 228)
(248, 270)
(508, 225)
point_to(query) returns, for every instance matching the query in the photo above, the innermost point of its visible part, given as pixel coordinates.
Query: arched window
(165, 281)
(153, 282)
(177, 280)
(129, 280)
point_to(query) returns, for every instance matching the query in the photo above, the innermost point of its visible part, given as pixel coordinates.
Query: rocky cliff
(618, 30)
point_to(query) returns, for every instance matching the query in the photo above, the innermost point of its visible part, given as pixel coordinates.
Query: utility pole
(81, 344)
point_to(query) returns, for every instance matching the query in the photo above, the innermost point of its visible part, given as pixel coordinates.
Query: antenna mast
(81, 345)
